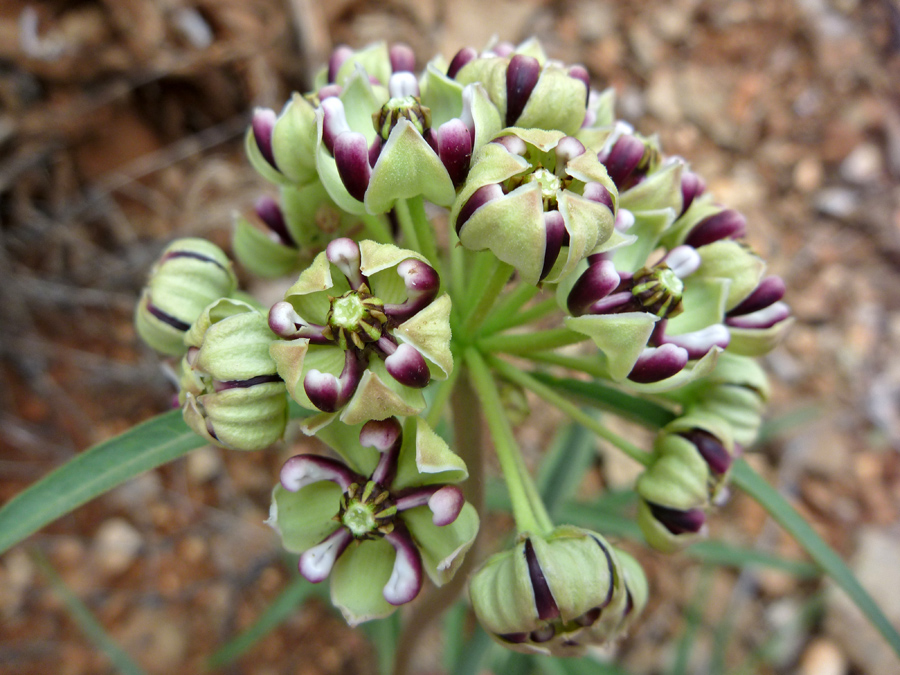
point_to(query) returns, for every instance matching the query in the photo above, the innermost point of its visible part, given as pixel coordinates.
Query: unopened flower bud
(189, 275)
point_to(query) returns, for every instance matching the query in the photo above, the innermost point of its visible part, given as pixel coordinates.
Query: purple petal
(406, 577)
(567, 149)
(581, 74)
(302, 470)
(543, 598)
(479, 198)
(317, 562)
(329, 91)
(329, 393)
(285, 322)
(624, 158)
(408, 367)
(692, 186)
(597, 192)
(761, 318)
(402, 85)
(344, 254)
(422, 284)
(522, 75)
(263, 125)
(454, 147)
(683, 260)
(658, 363)
(268, 211)
(711, 449)
(403, 58)
(334, 121)
(677, 521)
(598, 280)
(614, 303)
(463, 56)
(770, 290)
(224, 385)
(444, 501)
(624, 220)
(513, 144)
(504, 48)
(386, 436)
(699, 342)
(351, 154)
(557, 237)
(375, 149)
(338, 57)
(727, 224)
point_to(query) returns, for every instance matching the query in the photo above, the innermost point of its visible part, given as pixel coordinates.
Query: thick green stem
(530, 515)
(539, 311)
(506, 308)
(377, 229)
(407, 227)
(526, 343)
(424, 229)
(591, 365)
(488, 296)
(525, 380)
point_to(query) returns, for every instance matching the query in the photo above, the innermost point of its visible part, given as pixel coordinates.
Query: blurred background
(121, 125)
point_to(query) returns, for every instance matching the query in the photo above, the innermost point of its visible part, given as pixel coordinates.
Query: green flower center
(356, 318)
(367, 512)
(659, 290)
(405, 107)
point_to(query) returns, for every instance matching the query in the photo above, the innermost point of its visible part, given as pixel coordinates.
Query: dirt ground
(120, 128)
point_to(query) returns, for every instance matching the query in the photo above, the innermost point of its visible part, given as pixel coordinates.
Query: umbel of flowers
(563, 227)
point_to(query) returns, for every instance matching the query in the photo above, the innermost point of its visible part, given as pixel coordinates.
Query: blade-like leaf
(565, 465)
(281, 608)
(778, 507)
(640, 410)
(94, 472)
(87, 622)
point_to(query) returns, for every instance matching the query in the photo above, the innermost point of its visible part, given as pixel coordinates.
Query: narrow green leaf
(778, 507)
(693, 618)
(94, 472)
(86, 621)
(281, 608)
(604, 397)
(564, 466)
(719, 553)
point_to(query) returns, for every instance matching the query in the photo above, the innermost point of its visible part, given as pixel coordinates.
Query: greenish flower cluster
(431, 223)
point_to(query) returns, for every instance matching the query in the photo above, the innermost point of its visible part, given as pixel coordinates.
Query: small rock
(808, 174)
(863, 165)
(823, 657)
(116, 546)
(837, 202)
(204, 464)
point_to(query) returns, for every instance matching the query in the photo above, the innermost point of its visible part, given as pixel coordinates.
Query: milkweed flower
(379, 521)
(363, 331)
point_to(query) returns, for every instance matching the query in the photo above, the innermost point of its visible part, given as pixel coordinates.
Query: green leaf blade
(93, 472)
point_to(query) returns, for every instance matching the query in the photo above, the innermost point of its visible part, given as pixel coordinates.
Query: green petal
(704, 305)
(260, 163)
(304, 518)
(261, 255)
(375, 257)
(374, 59)
(212, 314)
(557, 102)
(731, 260)
(621, 337)
(294, 139)
(237, 348)
(407, 167)
(512, 228)
(441, 94)
(426, 459)
(344, 440)
(677, 479)
(358, 580)
(501, 593)
(443, 548)
(702, 207)
(757, 341)
(660, 190)
(647, 228)
(429, 332)
(380, 396)
(588, 224)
